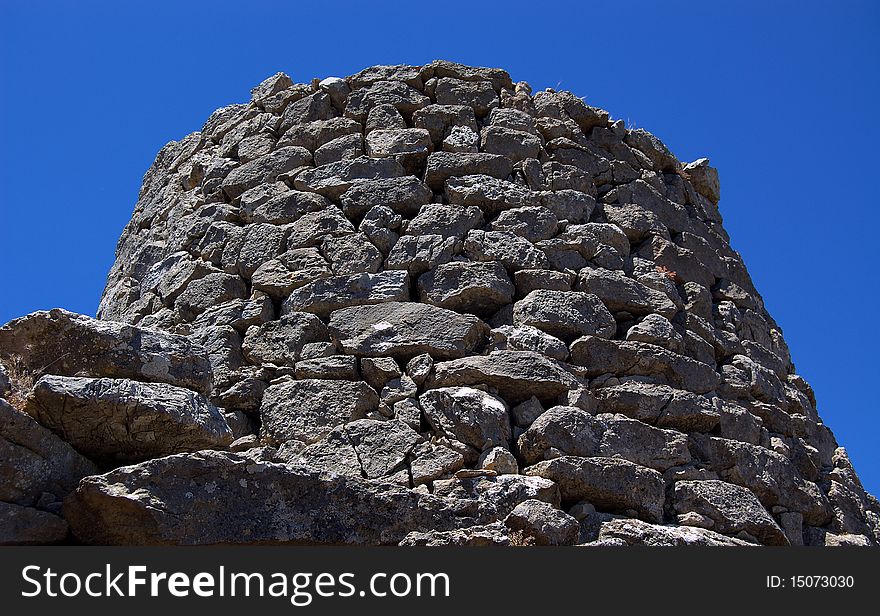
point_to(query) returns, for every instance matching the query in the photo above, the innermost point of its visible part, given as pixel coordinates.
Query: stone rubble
(420, 306)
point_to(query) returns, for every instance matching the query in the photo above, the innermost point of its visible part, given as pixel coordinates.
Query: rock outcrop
(420, 306)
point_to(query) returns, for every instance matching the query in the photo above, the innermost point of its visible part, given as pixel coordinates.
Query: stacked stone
(439, 309)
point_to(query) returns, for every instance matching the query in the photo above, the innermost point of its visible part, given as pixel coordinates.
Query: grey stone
(417, 254)
(565, 314)
(383, 117)
(534, 522)
(265, 169)
(528, 338)
(477, 288)
(34, 461)
(461, 139)
(332, 367)
(516, 145)
(325, 295)
(510, 250)
(307, 410)
(609, 483)
(569, 431)
(280, 342)
(480, 95)
(334, 179)
(121, 420)
(404, 330)
(445, 220)
(441, 120)
(468, 415)
(444, 165)
(489, 193)
(341, 148)
(517, 375)
(377, 371)
(352, 254)
(533, 223)
(68, 344)
(659, 405)
(404, 98)
(405, 195)
(474, 536)
(621, 293)
(637, 532)
(599, 356)
(732, 509)
(267, 503)
(656, 329)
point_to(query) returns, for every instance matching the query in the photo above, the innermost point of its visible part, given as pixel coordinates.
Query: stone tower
(425, 305)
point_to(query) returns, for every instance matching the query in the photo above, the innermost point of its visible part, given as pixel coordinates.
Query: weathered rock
(477, 288)
(534, 223)
(599, 356)
(637, 532)
(732, 509)
(264, 169)
(474, 536)
(166, 501)
(34, 461)
(516, 145)
(121, 420)
(68, 344)
(444, 165)
(704, 178)
(334, 179)
(771, 477)
(404, 98)
(517, 375)
(499, 494)
(445, 220)
(534, 522)
(468, 415)
(565, 314)
(28, 526)
(489, 193)
(280, 342)
(512, 251)
(620, 293)
(307, 410)
(325, 295)
(609, 483)
(570, 431)
(404, 330)
(418, 253)
(528, 338)
(660, 405)
(404, 195)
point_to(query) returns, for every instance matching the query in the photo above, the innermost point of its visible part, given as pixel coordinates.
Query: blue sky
(781, 96)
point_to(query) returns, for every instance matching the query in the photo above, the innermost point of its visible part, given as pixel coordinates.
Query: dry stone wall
(424, 305)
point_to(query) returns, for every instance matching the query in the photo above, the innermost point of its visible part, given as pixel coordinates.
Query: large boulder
(68, 344)
(120, 420)
(168, 501)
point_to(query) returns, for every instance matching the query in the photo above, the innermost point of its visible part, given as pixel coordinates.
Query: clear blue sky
(781, 96)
